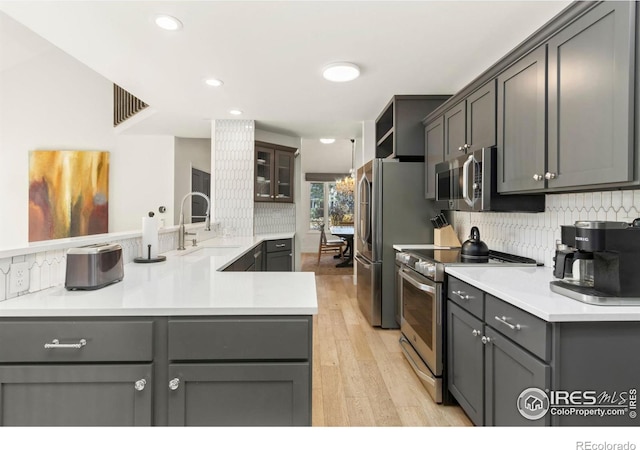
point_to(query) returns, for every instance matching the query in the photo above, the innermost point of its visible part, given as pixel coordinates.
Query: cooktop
(452, 256)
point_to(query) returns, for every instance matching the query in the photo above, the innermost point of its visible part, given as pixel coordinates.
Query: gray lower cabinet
(487, 369)
(239, 371)
(279, 255)
(76, 395)
(496, 351)
(509, 370)
(207, 371)
(466, 361)
(239, 394)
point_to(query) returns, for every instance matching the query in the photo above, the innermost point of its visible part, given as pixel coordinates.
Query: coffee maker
(596, 262)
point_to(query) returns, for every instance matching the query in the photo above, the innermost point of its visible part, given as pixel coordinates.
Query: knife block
(446, 237)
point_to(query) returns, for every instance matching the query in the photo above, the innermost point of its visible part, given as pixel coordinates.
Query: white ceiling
(270, 54)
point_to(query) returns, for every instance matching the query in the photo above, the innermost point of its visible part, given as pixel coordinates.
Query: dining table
(345, 232)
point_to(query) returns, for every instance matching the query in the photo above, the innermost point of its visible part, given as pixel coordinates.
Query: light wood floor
(360, 377)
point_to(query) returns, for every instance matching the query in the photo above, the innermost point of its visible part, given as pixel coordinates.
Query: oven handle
(426, 377)
(423, 287)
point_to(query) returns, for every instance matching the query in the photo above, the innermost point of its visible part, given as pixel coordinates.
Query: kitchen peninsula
(175, 343)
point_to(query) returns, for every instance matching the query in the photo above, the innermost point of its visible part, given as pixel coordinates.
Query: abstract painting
(68, 194)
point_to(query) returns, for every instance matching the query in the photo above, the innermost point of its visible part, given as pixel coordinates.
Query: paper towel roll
(149, 237)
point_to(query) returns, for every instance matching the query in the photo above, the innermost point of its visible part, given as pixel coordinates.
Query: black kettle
(473, 249)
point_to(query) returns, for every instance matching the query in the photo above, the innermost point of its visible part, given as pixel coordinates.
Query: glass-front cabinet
(274, 173)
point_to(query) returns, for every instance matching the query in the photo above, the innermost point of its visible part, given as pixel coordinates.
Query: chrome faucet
(181, 230)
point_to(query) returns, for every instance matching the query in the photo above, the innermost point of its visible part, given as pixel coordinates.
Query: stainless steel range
(421, 288)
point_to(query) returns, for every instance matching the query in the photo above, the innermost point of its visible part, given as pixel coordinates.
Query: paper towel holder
(149, 259)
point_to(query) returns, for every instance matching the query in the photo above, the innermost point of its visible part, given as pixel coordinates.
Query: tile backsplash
(274, 218)
(534, 235)
(47, 268)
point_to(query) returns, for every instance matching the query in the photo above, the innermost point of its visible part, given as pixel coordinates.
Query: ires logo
(534, 403)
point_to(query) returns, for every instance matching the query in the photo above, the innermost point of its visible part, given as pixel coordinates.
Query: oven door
(421, 322)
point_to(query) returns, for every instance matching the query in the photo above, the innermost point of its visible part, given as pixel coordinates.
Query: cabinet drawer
(279, 246)
(466, 296)
(239, 339)
(523, 328)
(104, 341)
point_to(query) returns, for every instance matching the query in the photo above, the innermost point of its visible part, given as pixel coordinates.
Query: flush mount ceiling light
(167, 22)
(341, 71)
(327, 140)
(235, 112)
(214, 82)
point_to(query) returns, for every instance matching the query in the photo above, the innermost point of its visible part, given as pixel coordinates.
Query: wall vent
(125, 105)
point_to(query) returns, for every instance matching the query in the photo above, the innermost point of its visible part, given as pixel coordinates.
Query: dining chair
(329, 245)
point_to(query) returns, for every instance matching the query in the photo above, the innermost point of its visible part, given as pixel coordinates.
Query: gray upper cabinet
(455, 123)
(481, 117)
(521, 124)
(433, 154)
(591, 99)
(471, 123)
(399, 128)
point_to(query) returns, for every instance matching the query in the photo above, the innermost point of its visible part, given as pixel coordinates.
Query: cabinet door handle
(55, 343)
(486, 340)
(174, 384)
(503, 320)
(463, 295)
(550, 176)
(537, 177)
(140, 384)
(475, 333)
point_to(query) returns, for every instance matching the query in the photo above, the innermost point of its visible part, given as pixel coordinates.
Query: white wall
(141, 180)
(276, 138)
(53, 102)
(189, 153)
(319, 158)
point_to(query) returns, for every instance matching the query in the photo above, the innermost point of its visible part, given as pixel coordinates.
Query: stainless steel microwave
(469, 183)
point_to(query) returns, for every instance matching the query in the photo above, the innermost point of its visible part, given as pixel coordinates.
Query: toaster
(93, 266)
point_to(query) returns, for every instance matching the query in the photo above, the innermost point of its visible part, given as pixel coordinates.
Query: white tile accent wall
(274, 218)
(47, 269)
(232, 143)
(534, 235)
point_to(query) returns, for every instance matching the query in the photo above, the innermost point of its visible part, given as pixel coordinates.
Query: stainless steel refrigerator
(391, 210)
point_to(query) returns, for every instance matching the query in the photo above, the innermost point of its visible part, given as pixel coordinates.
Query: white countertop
(187, 283)
(528, 289)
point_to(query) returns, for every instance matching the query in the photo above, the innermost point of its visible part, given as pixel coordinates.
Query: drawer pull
(280, 245)
(463, 295)
(140, 384)
(55, 343)
(503, 320)
(174, 384)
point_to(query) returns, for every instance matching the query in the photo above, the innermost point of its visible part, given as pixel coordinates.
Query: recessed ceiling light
(235, 112)
(214, 82)
(327, 140)
(341, 71)
(167, 22)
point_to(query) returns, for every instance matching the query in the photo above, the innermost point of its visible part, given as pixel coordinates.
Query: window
(331, 203)
(320, 197)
